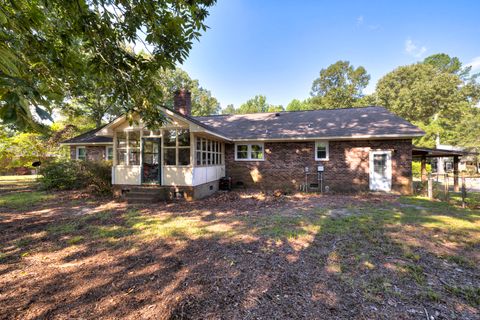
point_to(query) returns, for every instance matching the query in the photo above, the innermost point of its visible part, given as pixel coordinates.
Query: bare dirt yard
(237, 255)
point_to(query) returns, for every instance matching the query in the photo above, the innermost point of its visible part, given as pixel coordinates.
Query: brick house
(338, 150)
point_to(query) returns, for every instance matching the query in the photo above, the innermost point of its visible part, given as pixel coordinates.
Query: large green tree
(340, 85)
(47, 45)
(453, 65)
(170, 80)
(96, 105)
(431, 95)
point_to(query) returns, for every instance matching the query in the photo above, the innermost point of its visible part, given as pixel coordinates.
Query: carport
(420, 153)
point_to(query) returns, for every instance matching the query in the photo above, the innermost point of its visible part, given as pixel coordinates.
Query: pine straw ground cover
(239, 255)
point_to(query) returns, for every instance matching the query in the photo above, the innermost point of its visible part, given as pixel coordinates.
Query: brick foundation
(347, 169)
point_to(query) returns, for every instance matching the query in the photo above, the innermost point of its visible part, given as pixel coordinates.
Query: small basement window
(321, 150)
(249, 151)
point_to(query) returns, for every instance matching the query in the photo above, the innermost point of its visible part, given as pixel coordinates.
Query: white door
(380, 170)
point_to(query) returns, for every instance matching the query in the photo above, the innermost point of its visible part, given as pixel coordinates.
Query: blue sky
(277, 48)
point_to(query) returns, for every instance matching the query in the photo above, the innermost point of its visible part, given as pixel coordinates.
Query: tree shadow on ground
(236, 258)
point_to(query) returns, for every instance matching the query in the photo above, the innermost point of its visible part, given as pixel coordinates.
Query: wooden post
(455, 174)
(430, 188)
(423, 170)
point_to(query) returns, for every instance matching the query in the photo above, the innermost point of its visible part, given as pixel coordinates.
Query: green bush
(417, 169)
(71, 174)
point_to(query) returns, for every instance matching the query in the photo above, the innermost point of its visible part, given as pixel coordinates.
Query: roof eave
(352, 137)
(85, 143)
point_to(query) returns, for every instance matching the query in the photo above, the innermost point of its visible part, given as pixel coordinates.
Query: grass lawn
(239, 255)
(17, 183)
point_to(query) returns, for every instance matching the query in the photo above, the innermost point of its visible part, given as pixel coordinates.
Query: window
(249, 152)
(128, 148)
(81, 153)
(176, 147)
(109, 154)
(208, 152)
(321, 150)
(133, 148)
(121, 148)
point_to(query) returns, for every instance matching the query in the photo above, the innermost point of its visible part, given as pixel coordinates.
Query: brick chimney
(182, 102)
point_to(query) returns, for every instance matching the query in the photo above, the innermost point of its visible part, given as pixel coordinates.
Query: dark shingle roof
(330, 123)
(90, 137)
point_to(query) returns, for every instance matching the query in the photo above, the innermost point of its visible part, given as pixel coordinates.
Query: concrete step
(141, 201)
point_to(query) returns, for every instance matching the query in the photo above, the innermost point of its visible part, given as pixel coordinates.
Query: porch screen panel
(208, 153)
(176, 147)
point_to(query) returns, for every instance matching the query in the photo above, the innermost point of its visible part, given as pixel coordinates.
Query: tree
(95, 103)
(170, 80)
(297, 105)
(430, 97)
(257, 104)
(275, 108)
(46, 45)
(254, 105)
(445, 63)
(230, 109)
(417, 92)
(338, 86)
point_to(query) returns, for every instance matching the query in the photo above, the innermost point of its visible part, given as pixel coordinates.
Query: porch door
(380, 170)
(151, 168)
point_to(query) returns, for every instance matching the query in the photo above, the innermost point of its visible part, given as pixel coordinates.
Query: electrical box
(320, 169)
(307, 169)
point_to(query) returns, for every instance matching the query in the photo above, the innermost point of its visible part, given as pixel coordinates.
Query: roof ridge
(285, 111)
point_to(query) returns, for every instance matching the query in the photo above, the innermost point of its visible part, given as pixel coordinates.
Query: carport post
(423, 169)
(455, 174)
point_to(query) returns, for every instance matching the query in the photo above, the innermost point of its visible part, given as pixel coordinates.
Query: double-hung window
(321, 150)
(81, 153)
(249, 151)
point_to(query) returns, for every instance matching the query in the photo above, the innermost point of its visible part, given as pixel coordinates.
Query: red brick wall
(347, 169)
(94, 153)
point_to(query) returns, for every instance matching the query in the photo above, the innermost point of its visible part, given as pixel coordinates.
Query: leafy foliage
(257, 104)
(339, 86)
(48, 45)
(297, 105)
(435, 95)
(71, 174)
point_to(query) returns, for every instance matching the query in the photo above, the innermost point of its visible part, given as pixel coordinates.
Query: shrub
(71, 174)
(417, 169)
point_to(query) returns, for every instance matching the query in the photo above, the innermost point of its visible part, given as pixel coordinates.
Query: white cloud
(475, 64)
(359, 20)
(414, 49)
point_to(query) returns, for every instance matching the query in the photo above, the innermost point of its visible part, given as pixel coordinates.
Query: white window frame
(216, 152)
(177, 148)
(249, 151)
(327, 151)
(77, 152)
(106, 153)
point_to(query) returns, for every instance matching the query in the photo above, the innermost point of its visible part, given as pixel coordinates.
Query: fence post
(430, 187)
(464, 192)
(445, 189)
